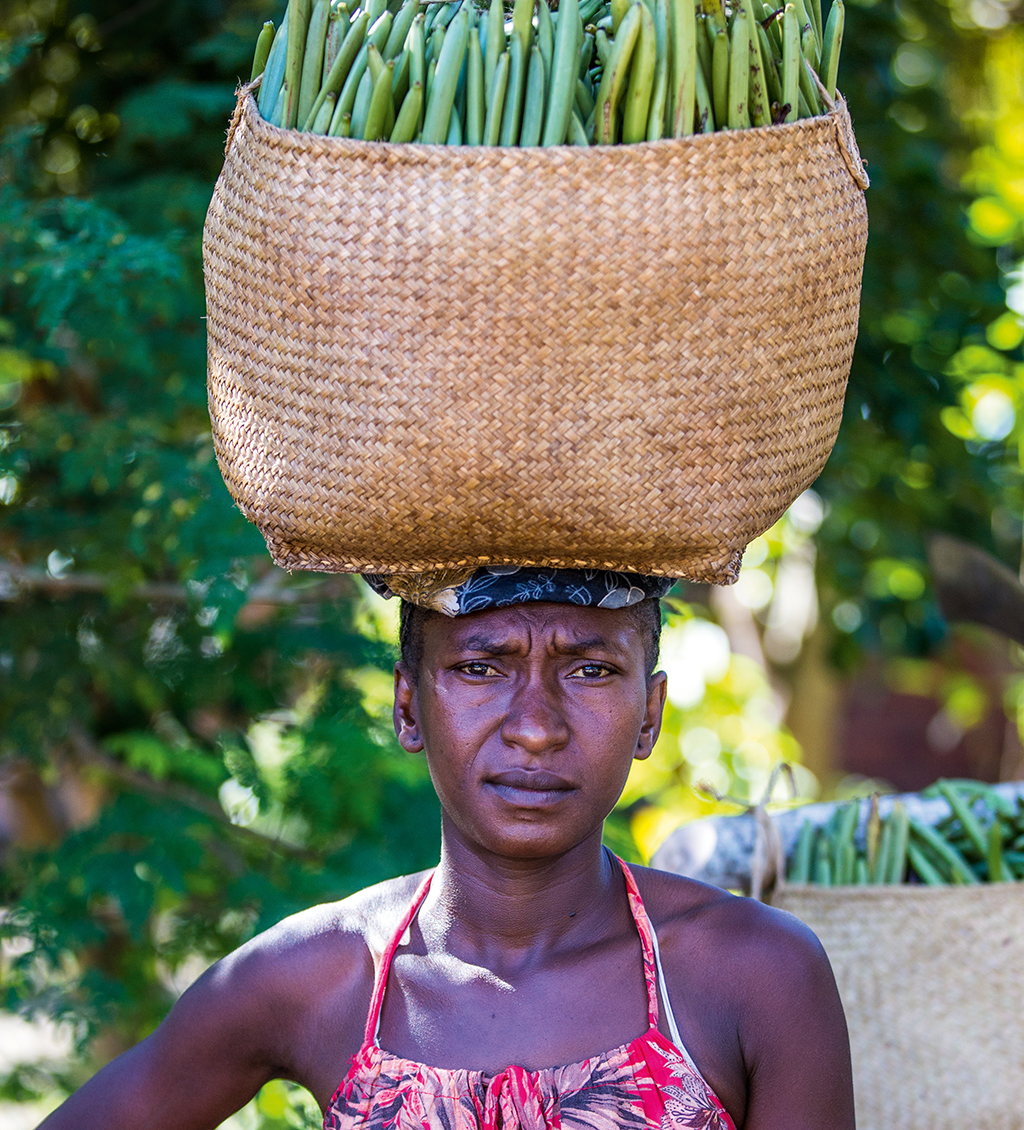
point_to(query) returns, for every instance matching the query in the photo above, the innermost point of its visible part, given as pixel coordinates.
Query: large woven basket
(427, 357)
(932, 981)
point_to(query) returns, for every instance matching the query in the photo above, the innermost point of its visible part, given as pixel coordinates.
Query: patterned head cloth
(455, 592)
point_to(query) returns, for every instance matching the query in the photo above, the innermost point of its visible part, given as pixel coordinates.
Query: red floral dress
(651, 1083)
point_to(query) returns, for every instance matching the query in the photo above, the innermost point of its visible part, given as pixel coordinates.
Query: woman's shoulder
(332, 943)
(364, 921)
(740, 938)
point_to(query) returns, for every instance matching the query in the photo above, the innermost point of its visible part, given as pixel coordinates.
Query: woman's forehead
(564, 628)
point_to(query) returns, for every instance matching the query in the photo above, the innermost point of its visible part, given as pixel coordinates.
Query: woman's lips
(530, 788)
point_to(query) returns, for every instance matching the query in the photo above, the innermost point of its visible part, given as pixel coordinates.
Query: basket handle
(768, 860)
(241, 94)
(845, 138)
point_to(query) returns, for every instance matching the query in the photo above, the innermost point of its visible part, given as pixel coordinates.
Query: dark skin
(524, 950)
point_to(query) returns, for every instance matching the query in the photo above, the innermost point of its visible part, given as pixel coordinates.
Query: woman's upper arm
(237, 1027)
(203, 1063)
(794, 1038)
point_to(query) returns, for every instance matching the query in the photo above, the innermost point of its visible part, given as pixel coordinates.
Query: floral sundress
(651, 1083)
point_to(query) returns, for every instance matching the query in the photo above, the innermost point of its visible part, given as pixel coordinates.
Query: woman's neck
(507, 913)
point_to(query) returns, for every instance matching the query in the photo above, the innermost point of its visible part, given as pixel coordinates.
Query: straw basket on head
(627, 357)
(932, 982)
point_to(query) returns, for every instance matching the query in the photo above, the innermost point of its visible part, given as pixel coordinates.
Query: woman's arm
(261, 1013)
(205, 1061)
(793, 1035)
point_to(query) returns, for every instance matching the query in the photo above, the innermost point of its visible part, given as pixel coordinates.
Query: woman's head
(530, 717)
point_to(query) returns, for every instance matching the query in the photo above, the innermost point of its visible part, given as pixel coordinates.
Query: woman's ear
(657, 685)
(407, 725)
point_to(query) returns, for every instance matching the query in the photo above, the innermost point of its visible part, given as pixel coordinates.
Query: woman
(532, 980)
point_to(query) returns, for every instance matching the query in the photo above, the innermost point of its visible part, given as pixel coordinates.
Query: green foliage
(912, 75)
(195, 717)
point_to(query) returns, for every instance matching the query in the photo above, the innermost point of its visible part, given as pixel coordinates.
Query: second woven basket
(931, 981)
(628, 357)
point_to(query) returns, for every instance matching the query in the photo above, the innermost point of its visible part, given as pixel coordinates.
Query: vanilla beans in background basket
(596, 72)
(981, 840)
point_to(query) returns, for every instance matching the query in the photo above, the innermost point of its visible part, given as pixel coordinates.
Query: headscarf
(455, 592)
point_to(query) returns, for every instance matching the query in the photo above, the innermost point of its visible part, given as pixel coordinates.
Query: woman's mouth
(530, 788)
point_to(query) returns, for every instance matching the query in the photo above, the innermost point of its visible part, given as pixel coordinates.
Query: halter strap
(653, 975)
(384, 968)
(648, 942)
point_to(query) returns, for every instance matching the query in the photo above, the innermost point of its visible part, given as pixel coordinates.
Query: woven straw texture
(427, 357)
(932, 980)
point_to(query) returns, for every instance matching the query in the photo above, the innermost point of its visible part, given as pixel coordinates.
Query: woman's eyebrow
(584, 646)
(488, 645)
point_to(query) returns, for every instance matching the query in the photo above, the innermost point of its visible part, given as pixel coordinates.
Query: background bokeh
(194, 744)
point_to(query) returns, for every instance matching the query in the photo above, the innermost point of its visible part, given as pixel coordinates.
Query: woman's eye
(591, 671)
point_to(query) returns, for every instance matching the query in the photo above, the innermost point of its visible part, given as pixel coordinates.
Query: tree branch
(90, 755)
(18, 582)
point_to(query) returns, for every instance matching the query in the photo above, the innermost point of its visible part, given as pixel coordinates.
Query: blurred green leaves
(189, 745)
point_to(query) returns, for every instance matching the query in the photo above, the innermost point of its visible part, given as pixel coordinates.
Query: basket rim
(555, 156)
(888, 891)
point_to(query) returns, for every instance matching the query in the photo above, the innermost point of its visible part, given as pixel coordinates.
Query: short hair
(646, 616)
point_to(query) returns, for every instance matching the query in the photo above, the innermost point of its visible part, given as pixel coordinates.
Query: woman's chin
(526, 840)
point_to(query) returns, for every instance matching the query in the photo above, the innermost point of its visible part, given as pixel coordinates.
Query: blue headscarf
(455, 592)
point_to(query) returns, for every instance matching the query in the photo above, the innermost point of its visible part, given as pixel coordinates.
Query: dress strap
(654, 975)
(384, 968)
(648, 943)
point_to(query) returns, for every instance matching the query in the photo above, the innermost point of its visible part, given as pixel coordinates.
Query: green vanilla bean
(273, 73)
(546, 38)
(900, 839)
(760, 106)
(562, 88)
(441, 97)
(376, 126)
(533, 109)
(322, 124)
(997, 870)
(705, 110)
(720, 77)
(637, 104)
(495, 45)
(299, 12)
(792, 62)
(577, 131)
(515, 92)
(407, 122)
(808, 87)
(496, 101)
(262, 52)
(925, 870)
(739, 75)
(831, 46)
(771, 70)
(476, 103)
(615, 76)
(343, 63)
(313, 58)
(684, 67)
(800, 865)
(400, 28)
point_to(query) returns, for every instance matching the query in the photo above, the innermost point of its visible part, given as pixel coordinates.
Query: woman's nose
(535, 721)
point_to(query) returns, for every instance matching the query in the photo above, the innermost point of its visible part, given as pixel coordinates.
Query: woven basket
(427, 357)
(932, 981)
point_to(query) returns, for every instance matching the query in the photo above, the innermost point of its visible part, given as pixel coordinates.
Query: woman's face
(530, 718)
